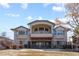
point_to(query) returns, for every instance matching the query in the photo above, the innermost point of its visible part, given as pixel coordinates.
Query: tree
(73, 13)
(74, 39)
(73, 17)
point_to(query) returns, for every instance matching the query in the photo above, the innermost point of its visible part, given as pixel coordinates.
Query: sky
(13, 15)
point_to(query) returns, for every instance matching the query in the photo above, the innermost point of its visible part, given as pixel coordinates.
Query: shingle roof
(6, 38)
(64, 26)
(41, 21)
(19, 27)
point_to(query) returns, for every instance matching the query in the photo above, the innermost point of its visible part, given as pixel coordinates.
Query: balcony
(41, 34)
(22, 36)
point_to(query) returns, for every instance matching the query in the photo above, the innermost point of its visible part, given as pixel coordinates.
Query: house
(6, 42)
(41, 34)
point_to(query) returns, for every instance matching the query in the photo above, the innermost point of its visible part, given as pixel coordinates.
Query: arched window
(46, 29)
(35, 29)
(41, 29)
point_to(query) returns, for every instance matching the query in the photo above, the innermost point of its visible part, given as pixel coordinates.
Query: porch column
(52, 44)
(30, 29)
(30, 44)
(44, 28)
(38, 29)
(51, 29)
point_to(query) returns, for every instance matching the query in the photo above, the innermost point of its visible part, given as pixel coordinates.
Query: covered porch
(42, 43)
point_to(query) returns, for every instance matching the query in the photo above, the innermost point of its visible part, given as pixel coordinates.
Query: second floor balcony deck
(41, 34)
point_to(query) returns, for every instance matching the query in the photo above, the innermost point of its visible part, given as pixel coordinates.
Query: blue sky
(19, 14)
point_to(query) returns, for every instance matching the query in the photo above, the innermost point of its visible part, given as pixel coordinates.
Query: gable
(59, 28)
(20, 28)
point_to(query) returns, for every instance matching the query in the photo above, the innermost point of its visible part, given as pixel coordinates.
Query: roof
(6, 41)
(5, 38)
(19, 27)
(61, 26)
(41, 21)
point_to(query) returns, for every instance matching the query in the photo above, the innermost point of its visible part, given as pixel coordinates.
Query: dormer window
(21, 32)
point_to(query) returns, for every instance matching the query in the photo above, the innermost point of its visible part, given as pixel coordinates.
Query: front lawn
(36, 52)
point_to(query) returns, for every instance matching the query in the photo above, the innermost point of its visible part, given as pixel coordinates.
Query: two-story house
(41, 34)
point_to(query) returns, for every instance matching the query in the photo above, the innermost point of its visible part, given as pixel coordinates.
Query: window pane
(60, 33)
(54, 32)
(46, 29)
(26, 32)
(21, 32)
(41, 29)
(35, 29)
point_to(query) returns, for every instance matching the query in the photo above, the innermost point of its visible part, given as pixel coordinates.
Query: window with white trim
(21, 33)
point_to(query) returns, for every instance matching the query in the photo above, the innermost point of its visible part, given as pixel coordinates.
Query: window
(41, 29)
(21, 32)
(46, 29)
(35, 29)
(54, 32)
(58, 42)
(60, 32)
(20, 42)
(26, 32)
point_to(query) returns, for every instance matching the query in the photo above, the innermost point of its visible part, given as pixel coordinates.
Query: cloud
(13, 15)
(24, 6)
(57, 8)
(39, 18)
(63, 20)
(52, 20)
(29, 18)
(59, 4)
(5, 5)
(46, 4)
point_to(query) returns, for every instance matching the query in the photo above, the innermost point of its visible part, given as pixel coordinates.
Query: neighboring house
(41, 34)
(6, 43)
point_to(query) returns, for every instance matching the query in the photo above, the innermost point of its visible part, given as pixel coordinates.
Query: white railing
(41, 35)
(41, 32)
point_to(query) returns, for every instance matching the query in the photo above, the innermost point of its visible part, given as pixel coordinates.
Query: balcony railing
(41, 32)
